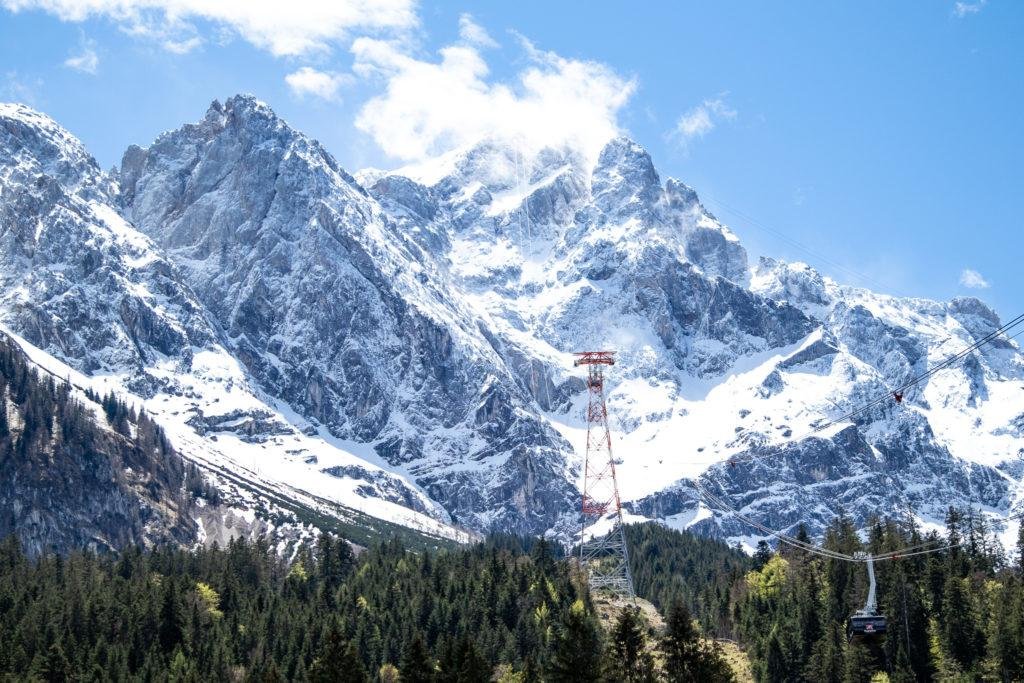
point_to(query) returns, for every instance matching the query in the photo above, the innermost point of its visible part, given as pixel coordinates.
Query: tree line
(952, 615)
(510, 610)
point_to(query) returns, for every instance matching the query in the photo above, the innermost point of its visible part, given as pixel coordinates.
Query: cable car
(868, 623)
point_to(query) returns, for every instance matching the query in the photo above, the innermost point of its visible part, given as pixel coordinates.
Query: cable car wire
(899, 391)
(908, 551)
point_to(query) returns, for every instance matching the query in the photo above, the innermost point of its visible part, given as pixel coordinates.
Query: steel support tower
(605, 558)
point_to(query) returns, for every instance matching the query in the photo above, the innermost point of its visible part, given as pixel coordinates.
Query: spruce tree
(826, 663)
(466, 665)
(1020, 547)
(858, 664)
(960, 635)
(337, 662)
(628, 658)
(907, 644)
(531, 670)
(54, 667)
(417, 665)
(687, 657)
(762, 555)
(576, 654)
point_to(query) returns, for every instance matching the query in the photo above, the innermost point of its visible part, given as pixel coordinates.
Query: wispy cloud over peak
(972, 279)
(325, 85)
(428, 107)
(702, 119)
(86, 60)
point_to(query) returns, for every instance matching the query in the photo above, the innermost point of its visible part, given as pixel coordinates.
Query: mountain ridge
(425, 329)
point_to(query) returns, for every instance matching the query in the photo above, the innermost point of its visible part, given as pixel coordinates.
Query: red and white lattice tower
(604, 556)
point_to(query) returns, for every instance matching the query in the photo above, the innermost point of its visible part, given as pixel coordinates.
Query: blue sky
(881, 142)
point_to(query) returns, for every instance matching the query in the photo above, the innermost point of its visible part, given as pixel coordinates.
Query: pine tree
(826, 663)
(417, 666)
(338, 662)
(687, 657)
(762, 555)
(858, 664)
(628, 658)
(576, 652)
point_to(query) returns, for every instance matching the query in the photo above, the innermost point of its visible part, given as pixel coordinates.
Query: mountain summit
(401, 344)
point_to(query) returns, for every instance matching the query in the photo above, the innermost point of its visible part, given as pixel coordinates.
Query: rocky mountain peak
(32, 146)
(427, 326)
(624, 178)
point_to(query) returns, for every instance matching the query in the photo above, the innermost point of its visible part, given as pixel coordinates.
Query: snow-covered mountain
(85, 287)
(400, 344)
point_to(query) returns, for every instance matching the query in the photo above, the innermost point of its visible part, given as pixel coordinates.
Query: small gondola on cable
(868, 623)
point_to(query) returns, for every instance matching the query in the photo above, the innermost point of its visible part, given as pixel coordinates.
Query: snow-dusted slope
(80, 284)
(411, 332)
(343, 316)
(716, 359)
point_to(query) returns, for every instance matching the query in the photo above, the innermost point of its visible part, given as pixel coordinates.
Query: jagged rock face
(71, 481)
(426, 317)
(339, 312)
(84, 285)
(726, 360)
(76, 280)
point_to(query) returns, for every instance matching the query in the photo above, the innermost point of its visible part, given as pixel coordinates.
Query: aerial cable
(900, 390)
(908, 551)
(802, 247)
(784, 538)
(950, 360)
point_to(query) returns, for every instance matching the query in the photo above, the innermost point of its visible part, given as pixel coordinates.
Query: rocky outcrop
(407, 339)
(77, 475)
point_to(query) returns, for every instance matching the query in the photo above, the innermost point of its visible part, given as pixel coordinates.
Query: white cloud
(322, 84)
(182, 46)
(972, 279)
(87, 60)
(429, 107)
(702, 119)
(965, 9)
(289, 28)
(473, 33)
(16, 88)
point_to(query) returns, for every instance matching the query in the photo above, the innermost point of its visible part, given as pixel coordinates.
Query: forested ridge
(953, 615)
(80, 470)
(509, 609)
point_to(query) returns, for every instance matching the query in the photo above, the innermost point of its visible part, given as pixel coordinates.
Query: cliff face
(400, 344)
(81, 472)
